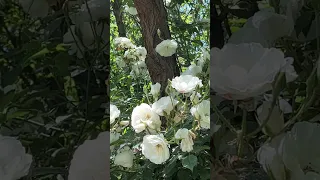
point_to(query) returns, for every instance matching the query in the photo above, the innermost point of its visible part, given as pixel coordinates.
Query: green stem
(224, 120)
(243, 131)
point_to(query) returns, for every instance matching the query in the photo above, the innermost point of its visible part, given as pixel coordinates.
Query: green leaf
(189, 162)
(62, 61)
(17, 114)
(170, 169)
(147, 174)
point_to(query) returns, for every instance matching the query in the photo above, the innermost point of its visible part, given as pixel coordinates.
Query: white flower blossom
(114, 113)
(164, 104)
(246, 70)
(167, 48)
(186, 137)
(14, 161)
(123, 42)
(155, 89)
(155, 148)
(144, 117)
(91, 159)
(124, 158)
(113, 137)
(186, 83)
(131, 10)
(193, 70)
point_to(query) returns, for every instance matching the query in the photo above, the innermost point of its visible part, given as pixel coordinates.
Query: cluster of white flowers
(248, 67)
(133, 56)
(146, 117)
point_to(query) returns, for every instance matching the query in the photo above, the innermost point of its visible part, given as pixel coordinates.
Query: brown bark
(153, 16)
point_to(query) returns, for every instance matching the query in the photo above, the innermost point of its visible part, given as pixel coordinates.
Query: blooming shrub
(167, 136)
(269, 100)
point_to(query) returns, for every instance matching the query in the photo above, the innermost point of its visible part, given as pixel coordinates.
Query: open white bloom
(167, 2)
(186, 83)
(270, 159)
(155, 89)
(131, 10)
(300, 150)
(144, 117)
(246, 70)
(95, 12)
(114, 113)
(295, 152)
(141, 53)
(193, 70)
(120, 62)
(139, 68)
(164, 104)
(276, 121)
(113, 137)
(155, 148)
(186, 137)
(201, 112)
(39, 8)
(91, 159)
(124, 158)
(123, 42)
(14, 162)
(265, 27)
(167, 48)
(82, 36)
(129, 54)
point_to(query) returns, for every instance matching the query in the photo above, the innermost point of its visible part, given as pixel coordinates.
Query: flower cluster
(254, 74)
(184, 110)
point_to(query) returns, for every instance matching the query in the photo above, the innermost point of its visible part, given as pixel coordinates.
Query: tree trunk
(216, 35)
(116, 6)
(153, 16)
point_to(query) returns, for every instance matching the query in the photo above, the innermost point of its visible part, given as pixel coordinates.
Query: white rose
(193, 70)
(155, 148)
(114, 113)
(139, 68)
(124, 158)
(120, 62)
(186, 137)
(167, 48)
(144, 117)
(155, 89)
(270, 159)
(129, 54)
(141, 53)
(131, 10)
(91, 159)
(201, 112)
(265, 27)
(186, 83)
(113, 137)
(167, 2)
(164, 104)
(247, 70)
(205, 122)
(14, 162)
(123, 42)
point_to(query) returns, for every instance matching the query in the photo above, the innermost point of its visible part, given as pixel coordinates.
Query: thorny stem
(224, 120)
